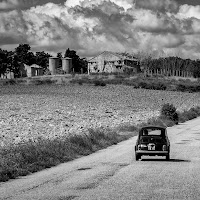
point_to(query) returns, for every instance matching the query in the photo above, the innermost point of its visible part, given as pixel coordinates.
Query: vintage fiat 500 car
(152, 141)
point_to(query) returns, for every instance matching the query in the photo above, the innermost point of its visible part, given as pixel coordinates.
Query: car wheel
(137, 157)
(167, 157)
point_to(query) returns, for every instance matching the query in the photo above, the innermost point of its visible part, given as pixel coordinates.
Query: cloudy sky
(161, 27)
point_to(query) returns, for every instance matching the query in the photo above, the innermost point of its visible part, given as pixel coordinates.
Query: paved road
(114, 174)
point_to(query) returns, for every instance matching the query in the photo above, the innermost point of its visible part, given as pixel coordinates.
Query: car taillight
(140, 146)
(164, 147)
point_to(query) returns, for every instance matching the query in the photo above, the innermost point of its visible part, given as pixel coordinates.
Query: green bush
(187, 86)
(9, 82)
(189, 114)
(99, 83)
(195, 88)
(131, 83)
(21, 81)
(41, 81)
(152, 84)
(114, 81)
(143, 84)
(60, 71)
(82, 81)
(171, 87)
(183, 117)
(121, 76)
(159, 86)
(181, 87)
(168, 111)
(47, 72)
(48, 81)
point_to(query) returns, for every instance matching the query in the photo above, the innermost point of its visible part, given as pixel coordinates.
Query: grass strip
(151, 83)
(139, 81)
(33, 156)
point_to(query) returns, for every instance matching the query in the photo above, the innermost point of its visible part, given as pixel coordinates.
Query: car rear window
(155, 132)
(152, 131)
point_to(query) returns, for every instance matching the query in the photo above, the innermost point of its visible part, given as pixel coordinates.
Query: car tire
(137, 157)
(167, 157)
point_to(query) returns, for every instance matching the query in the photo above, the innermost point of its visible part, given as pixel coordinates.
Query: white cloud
(195, 26)
(158, 5)
(8, 4)
(125, 4)
(188, 11)
(93, 26)
(73, 3)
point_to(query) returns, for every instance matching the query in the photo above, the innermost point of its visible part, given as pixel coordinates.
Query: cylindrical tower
(67, 65)
(53, 64)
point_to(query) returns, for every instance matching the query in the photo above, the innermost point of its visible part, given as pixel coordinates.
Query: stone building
(25, 71)
(8, 75)
(111, 62)
(30, 71)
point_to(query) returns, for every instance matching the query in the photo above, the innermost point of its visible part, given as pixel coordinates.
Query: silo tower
(53, 64)
(67, 65)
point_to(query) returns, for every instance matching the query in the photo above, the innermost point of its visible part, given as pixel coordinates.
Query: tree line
(10, 61)
(172, 63)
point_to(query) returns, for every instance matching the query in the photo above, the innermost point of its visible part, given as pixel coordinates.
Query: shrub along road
(113, 173)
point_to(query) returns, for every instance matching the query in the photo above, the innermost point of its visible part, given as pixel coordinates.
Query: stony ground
(32, 111)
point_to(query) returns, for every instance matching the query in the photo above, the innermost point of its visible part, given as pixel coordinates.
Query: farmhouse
(111, 62)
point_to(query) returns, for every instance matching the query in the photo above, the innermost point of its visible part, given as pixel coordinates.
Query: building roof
(33, 66)
(66, 58)
(122, 56)
(53, 57)
(36, 66)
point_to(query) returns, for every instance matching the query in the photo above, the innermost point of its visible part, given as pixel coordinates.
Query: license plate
(151, 147)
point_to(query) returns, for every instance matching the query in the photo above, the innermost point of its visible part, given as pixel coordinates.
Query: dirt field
(28, 112)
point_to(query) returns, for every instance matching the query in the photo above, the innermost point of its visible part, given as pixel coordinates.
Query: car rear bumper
(143, 152)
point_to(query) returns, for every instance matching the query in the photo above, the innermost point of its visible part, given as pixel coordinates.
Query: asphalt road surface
(114, 174)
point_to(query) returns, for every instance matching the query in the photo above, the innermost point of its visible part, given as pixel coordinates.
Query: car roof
(158, 127)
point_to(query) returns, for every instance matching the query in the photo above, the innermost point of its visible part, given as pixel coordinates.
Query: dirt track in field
(52, 110)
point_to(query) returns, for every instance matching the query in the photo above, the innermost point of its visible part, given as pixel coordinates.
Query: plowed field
(52, 110)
